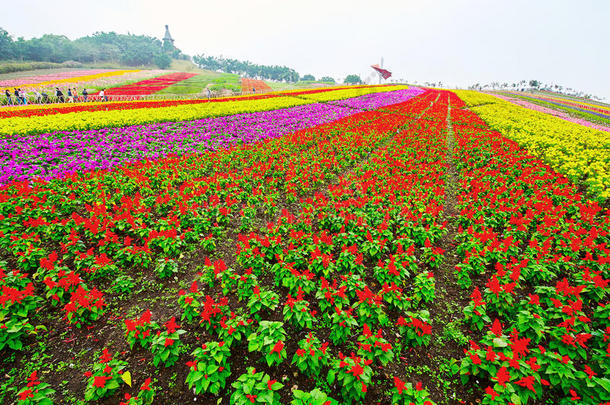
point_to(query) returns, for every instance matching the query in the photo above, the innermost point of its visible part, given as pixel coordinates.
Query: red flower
(589, 372)
(419, 386)
(100, 381)
(270, 384)
(25, 395)
(491, 355)
(278, 348)
(502, 376)
(490, 391)
(171, 325)
(496, 328)
(169, 342)
(527, 382)
(363, 386)
(356, 370)
(400, 385)
(145, 386)
(106, 356)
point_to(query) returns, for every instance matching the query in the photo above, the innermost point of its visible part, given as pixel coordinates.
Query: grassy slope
(216, 81)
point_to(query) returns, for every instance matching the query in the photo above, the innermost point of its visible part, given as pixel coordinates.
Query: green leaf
(331, 377)
(499, 342)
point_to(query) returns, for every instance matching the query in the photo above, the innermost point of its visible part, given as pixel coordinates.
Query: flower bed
(51, 155)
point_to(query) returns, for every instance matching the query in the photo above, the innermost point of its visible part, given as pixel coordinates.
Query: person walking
(59, 95)
(23, 97)
(9, 100)
(37, 96)
(75, 93)
(85, 95)
(103, 96)
(70, 96)
(209, 93)
(17, 98)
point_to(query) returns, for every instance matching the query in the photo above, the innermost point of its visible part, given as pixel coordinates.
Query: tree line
(246, 68)
(129, 50)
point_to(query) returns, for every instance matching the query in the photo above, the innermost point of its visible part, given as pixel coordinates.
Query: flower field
(587, 112)
(62, 77)
(78, 77)
(149, 86)
(554, 112)
(580, 153)
(371, 244)
(97, 118)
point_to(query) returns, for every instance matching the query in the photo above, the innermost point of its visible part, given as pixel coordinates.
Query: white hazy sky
(458, 42)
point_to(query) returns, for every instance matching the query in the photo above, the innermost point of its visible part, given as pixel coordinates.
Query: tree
(352, 79)
(163, 60)
(534, 83)
(7, 47)
(327, 79)
(308, 78)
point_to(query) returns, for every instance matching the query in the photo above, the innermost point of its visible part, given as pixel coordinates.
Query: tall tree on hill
(7, 47)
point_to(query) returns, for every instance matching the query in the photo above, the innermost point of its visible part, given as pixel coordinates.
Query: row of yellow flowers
(77, 79)
(580, 153)
(117, 118)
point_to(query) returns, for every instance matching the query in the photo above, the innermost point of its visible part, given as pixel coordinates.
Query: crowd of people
(71, 95)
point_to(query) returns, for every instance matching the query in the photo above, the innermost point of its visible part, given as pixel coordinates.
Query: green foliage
(245, 68)
(123, 284)
(311, 356)
(35, 393)
(210, 370)
(131, 50)
(13, 331)
(162, 60)
(166, 267)
(7, 47)
(352, 79)
(105, 378)
(165, 346)
(262, 300)
(255, 388)
(314, 397)
(269, 340)
(405, 394)
(353, 374)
